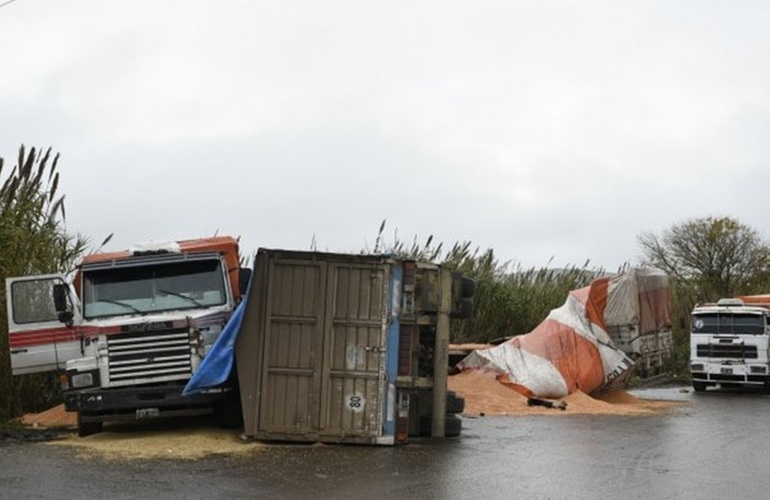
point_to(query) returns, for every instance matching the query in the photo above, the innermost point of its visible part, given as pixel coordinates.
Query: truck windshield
(729, 323)
(153, 288)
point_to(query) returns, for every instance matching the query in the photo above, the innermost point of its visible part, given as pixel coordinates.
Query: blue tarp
(216, 366)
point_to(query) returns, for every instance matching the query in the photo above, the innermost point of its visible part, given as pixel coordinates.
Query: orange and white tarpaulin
(571, 348)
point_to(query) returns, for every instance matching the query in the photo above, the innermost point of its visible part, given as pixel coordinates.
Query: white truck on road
(729, 343)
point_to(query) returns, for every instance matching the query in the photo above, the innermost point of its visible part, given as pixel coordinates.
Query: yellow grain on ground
(486, 396)
(196, 439)
(176, 444)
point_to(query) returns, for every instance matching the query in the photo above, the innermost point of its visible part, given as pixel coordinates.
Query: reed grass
(33, 240)
(510, 299)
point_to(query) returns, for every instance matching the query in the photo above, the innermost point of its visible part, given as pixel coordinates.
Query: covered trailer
(601, 334)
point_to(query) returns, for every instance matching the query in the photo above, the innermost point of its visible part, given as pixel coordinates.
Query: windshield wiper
(182, 296)
(119, 303)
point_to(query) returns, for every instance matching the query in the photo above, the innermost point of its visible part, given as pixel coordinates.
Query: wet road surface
(715, 446)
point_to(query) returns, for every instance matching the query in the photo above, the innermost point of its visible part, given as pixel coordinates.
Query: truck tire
(454, 403)
(452, 425)
(698, 386)
(88, 428)
(467, 287)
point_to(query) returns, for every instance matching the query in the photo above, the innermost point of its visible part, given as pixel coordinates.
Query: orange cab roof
(757, 300)
(227, 246)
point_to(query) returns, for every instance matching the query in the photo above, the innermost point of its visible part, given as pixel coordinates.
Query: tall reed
(33, 240)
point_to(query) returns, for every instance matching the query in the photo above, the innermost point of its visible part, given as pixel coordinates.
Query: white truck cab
(729, 343)
(130, 330)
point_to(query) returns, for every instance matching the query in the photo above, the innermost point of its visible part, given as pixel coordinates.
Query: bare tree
(711, 257)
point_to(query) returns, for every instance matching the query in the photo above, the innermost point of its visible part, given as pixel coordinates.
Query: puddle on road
(16, 435)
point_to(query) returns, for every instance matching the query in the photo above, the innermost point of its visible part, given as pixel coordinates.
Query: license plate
(147, 413)
(726, 371)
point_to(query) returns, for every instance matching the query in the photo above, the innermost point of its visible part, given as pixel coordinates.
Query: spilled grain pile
(177, 444)
(191, 441)
(486, 396)
(140, 442)
(53, 417)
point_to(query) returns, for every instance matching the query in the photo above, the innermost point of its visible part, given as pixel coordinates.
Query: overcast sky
(540, 129)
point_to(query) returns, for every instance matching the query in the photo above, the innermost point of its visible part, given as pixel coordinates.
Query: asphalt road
(715, 446)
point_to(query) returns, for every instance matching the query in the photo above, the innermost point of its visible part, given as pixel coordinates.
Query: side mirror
(66, 317)
(61, 303)
(60, 296)
(244, 276)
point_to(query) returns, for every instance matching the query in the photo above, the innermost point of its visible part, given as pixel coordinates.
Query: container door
(292, 356)
(355, 377)
(323, 368)
(38, 341)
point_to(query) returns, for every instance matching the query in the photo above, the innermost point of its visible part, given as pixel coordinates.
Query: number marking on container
(356, 403)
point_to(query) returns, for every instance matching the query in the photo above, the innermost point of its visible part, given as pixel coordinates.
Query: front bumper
(715, 373)
(140, 402)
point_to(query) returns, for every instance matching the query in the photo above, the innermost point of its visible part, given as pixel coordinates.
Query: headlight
(758, 369)
(696, 367)
(79, 380)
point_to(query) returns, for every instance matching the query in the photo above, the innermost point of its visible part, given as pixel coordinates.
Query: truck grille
(149, 357)
(731, 351)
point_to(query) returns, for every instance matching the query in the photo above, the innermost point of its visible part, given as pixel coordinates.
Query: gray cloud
(559, 129)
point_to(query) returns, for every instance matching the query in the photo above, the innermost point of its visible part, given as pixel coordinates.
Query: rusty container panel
(312, 350)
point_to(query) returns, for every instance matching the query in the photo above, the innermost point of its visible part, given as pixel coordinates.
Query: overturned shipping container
(322, 356)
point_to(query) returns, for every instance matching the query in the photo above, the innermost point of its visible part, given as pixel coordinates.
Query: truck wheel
(454, 403)
(698, 386)
(452, 425)
(88, 428)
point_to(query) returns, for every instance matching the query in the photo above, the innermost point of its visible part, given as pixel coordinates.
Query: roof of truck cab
(225, 245)
(746, 308)
(748, 301)
(221, 244)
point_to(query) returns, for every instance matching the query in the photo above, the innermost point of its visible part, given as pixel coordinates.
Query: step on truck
(729, 343)
(130, 329)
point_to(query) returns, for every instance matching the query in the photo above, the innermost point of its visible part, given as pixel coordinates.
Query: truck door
(38, 340)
